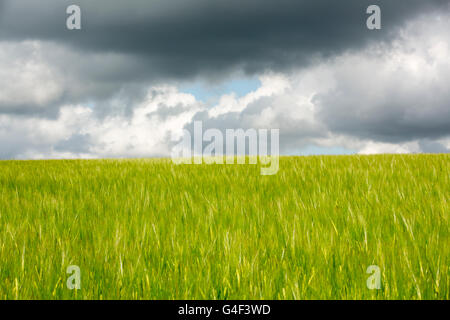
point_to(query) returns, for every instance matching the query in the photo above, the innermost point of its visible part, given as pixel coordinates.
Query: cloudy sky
(140, 71)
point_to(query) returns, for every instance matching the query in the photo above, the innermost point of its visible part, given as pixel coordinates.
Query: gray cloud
(76, 143)
(398, 96)
(137, 43)
(393, 118)
(429, 146)
(184, 38)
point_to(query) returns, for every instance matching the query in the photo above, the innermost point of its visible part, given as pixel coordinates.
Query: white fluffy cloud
(25, 77)
(78, 132)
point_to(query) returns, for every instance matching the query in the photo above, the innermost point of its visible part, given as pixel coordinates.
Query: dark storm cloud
(184, 38)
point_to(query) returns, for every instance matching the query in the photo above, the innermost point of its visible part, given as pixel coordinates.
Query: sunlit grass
(147, 229)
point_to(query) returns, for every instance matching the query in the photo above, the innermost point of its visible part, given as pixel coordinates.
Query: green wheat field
(149, 229)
